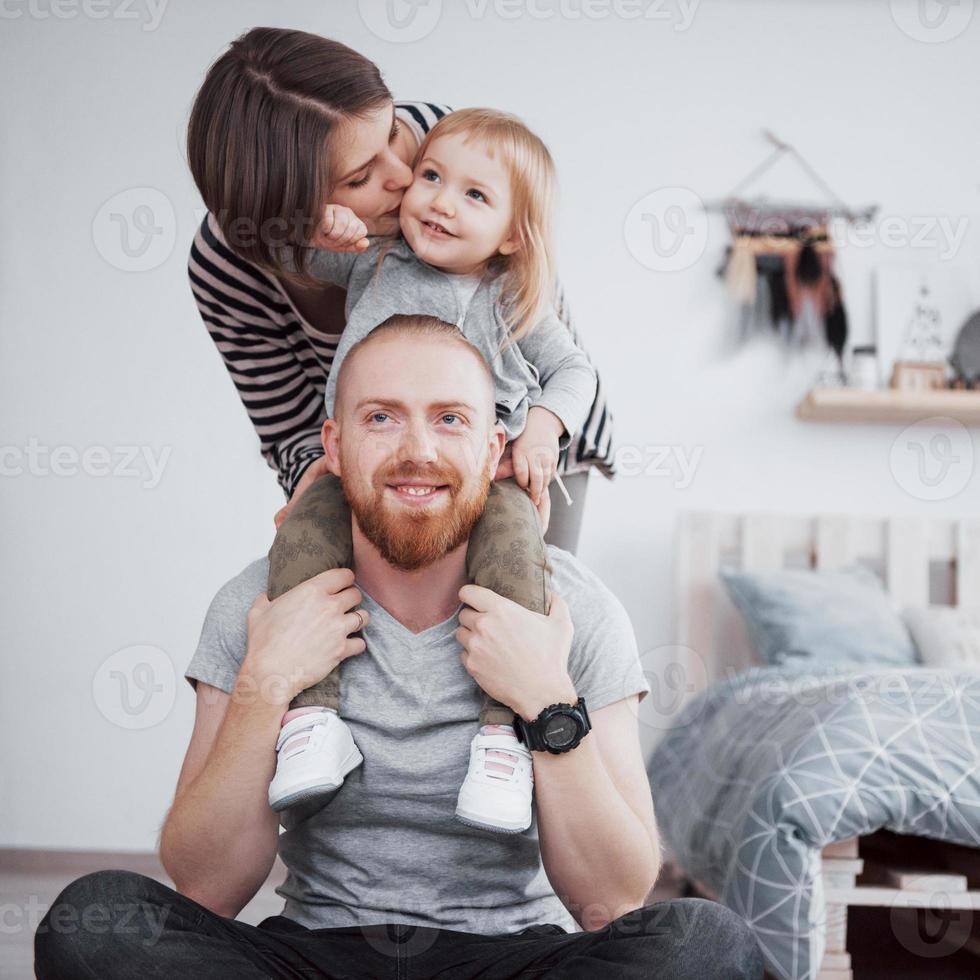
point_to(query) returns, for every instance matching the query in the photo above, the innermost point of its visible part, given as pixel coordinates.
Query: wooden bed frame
(921, 562)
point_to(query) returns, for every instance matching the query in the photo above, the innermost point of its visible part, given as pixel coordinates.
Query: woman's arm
(270, 362)
(593, 444)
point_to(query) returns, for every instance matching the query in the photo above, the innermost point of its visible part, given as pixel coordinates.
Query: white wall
(95, 356)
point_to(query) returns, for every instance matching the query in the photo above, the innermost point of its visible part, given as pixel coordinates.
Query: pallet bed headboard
(920, 561)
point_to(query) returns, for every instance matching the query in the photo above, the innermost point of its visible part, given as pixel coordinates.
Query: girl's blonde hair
(529, 272)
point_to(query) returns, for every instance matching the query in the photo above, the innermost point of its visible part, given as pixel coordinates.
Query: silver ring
(360, 620)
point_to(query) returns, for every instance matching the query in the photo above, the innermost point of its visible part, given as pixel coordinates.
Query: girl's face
(458, 212)
(371, 163)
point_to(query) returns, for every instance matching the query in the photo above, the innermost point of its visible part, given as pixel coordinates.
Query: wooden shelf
(888, 405)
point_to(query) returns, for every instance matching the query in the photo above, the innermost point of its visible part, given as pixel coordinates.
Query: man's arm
(596, 825)
(220, 837)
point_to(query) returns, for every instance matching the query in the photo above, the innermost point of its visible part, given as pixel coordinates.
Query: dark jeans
(118, 925)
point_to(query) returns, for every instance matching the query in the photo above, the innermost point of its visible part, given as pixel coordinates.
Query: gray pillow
(804, 618)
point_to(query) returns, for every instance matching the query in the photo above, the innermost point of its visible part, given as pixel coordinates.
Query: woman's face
(371, 163)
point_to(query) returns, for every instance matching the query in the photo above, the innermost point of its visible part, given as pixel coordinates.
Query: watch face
(560, 731)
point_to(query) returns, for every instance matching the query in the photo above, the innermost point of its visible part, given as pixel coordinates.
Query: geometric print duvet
(760, 772)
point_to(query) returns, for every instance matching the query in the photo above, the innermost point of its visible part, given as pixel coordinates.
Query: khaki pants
(506, 554)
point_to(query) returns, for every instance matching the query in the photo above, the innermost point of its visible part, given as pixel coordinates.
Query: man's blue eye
(379, 417)
(450, 417)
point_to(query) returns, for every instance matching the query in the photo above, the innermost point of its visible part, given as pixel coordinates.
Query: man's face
(416, 443)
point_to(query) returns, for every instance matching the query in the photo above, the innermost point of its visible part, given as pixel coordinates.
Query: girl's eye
(395, 130)
(480, 196)
(361, 182)
(429, 175)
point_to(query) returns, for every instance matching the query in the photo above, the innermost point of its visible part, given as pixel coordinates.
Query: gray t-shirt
(387, 847)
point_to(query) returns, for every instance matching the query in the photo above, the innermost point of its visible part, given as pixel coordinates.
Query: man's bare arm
(220, 837)
(596, 826)
(219, 840)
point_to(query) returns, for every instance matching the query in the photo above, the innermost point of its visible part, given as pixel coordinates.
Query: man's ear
(330, 437)
(498, 443)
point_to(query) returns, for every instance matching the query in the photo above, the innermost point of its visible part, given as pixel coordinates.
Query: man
(383, 881)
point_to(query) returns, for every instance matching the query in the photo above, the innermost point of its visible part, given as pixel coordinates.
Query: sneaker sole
(313, 788)
(463, 817)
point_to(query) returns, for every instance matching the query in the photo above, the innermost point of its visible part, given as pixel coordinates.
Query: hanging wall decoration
(779, 267)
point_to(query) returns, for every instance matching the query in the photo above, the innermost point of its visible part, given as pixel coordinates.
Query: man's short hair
(413, 325)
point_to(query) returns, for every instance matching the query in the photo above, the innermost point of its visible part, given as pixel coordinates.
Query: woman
(285, 123)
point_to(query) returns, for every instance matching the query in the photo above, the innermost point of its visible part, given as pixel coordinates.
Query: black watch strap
(532, 733)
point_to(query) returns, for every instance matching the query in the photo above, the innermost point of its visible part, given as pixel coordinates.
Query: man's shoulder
(570, 572)
(237, 594)
(603, 659)
(587, 596)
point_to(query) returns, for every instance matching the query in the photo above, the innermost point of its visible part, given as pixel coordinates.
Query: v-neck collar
(427, 637)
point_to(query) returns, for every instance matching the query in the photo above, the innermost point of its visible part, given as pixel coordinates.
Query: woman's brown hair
(258, 140)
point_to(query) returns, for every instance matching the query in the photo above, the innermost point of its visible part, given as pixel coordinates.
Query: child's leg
(507, 554)
(314, 537)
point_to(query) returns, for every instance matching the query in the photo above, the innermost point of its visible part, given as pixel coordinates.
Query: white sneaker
(493, 800)
(314, 753)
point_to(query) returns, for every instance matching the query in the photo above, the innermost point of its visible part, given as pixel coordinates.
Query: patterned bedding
(761, 772)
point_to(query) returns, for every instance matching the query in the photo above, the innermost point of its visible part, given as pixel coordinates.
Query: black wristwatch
(559, 728)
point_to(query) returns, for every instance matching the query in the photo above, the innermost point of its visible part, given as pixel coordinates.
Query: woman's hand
(340, 230)
(299, 638)
(311, 474)
(535, 452)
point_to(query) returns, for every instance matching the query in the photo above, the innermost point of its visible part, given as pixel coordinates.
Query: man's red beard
(411, 538)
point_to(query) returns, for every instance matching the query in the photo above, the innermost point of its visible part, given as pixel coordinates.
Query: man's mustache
(424, 472)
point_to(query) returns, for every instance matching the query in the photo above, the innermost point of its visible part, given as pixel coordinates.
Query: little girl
(475, 250)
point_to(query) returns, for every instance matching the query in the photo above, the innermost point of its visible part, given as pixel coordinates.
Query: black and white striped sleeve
(275, 372)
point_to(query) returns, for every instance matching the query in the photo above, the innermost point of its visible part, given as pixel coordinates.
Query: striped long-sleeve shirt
(280, 363)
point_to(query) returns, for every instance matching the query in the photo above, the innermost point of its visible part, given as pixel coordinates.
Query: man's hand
(303, 635)
(340, 230)
(535, 451)
(518, 657)
(311, 474)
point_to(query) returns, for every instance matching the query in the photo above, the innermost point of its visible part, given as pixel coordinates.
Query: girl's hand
(311, 474)
(535, 452)
(387, 224)
(340, 231)
(505, 470)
